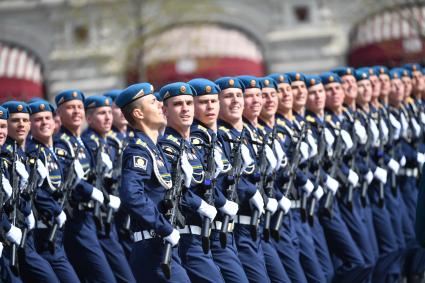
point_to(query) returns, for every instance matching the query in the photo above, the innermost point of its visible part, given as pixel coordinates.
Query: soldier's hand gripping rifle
(172, 204)
(100, 186)
(64, 191)
(295, 161)
(392, 152)
(351, 163)
(209, 183)
(381, 193)
(28, 192)
(368, 147)
(14, 201)
(233, 178)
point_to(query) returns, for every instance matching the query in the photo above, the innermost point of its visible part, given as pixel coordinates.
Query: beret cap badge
(74, 94)
(182, 89)
(331, 78)
(281, 78)
(297, 76)
(19, 107)
(312, 81)
(252, 83)
(42, 107)
(208, 89)
(266, 82)
(231, 82)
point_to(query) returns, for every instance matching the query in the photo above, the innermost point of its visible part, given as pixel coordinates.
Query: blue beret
(330, 77)
(204, 87)
(158, 97)
(280, 78)
(369, 70)
(312, 80)
(381, 70)
(133, 93)
(296, 76)
(16, 107)
(412, 67)
(40, 105)
(361, 74)
(343, 71)
(113, 94)
(229, 82)
(176, 89)
(395, 73)
(406, 73)
(268, 82)
(250, 82)
(69, 95)
(96, 101)
(4, 113)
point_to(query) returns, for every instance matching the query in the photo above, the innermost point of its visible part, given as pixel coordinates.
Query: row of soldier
(285, 178)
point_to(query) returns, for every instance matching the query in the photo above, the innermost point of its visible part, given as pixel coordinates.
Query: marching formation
(284, 178)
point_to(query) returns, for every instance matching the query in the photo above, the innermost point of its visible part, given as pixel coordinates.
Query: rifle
(368, 147)
(381, 196)
(393, 146)
(14, 200)
(65, 192)
(209, 183)
(233, 179)
(351, 163)
(99, 185)
(296, 159)
(173, 213)
(28, 192)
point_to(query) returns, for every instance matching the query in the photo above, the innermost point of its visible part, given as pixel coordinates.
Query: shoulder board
(260, 127)
(172, 138)
(202, 128)
(94, 138)
(310, 119)
(111, 134)
(281, 122)
(141, 143)
(64, 137)
(224, 129)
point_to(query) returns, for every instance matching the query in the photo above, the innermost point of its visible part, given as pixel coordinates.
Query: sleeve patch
(140, 162)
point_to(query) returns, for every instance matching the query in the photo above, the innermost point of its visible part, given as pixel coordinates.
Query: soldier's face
(231, 104)
(119, 120)
(179, 111)
(396, 91)
(285, 96)
(349, 85)
(334, 95)
(418, 82)
(253, 101)
(19, 126)
(316, 98)
(42, 125)
(407, 86)
(364, 91)
(376, 86)
(207, 108)
(101, 119)
(153, 116)
(385, 84)
(299, 91)
(3, 131)
(71, 114)
(270, 102)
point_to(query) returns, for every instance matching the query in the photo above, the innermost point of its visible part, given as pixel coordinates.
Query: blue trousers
(116, 257)
(288, 250)
(145, 259)
(227, 259)
(6, 274)
(199, 266)
(275, 268)
(124, 236)
(58, 261)
(84, 251)
(251, 254)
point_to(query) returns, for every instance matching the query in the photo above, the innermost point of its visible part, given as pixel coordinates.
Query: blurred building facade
(95, 45)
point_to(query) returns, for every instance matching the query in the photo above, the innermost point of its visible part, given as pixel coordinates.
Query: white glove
(416, 127)
(114, 202)
(285, 204)
(6, 186)
(78, 169)
(30, 221)
(360, 132)
(230, 208)
(332, 184)
(218, 162)
(272, 205)
(271, 159)
(385, 130)
(353, 177)
(14, 235)
(42, 171)
(1, 249)
(60, 219)
(396, 127)
(368, 177)
(380, 174)
(304, 151)
(106, 161)
(173, 238)
(207, 210)
(97, 195)
(404, 125)
(308, 187)
(420, 158)
(403, 161)
(257, 202)
(318, 193)
(375, 132)
(246, 157)
(280, 154)
(313, 145)
(329, 138)
(347, 139)
(393, 165)
(22, 171)
(187, 170)
(422, 117)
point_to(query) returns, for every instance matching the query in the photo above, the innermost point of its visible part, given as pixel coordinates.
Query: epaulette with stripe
(310, 119)
(64, 137)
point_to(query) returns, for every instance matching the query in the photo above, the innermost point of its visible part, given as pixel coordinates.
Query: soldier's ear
(137, 114)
